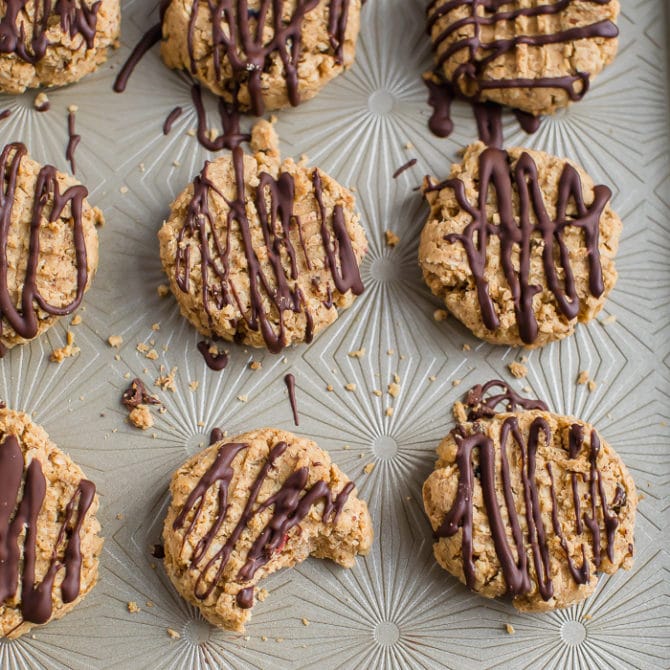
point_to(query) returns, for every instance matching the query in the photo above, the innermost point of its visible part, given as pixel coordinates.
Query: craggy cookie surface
(532, 55)
(519, 244)
(261, 251)
(48, 245)
(529, 503)
(48, 530)
(47, 43)
(249, 506)
(261, 55)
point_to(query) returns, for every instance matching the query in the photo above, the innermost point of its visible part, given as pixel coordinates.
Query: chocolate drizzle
(405, 166)
(49, 204)
(290, 504)
(76, 18)
(72, 140)
(514, 561)
(277, 286)
(21, 499)
(289, 380)
(481, 405)
(216, 361)
(171, 118)
(136, 394)
(534, 222)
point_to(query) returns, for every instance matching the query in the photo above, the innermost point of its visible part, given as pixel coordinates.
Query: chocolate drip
(151, 37)
(514, 561)
(278, 286)
(171, 118)
(215, 436)
(479, 405)
(136, 394)
(231, 136)
(405, 166)
(534, 222)
(5, 113)
(48, 204)
(290, 505)
(76, 18)
(158, 551)
(23, 497)
(289, 380)
(44, 107)
(72, 141)
(214, 361)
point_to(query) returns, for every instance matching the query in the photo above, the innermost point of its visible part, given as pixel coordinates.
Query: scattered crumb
(509, 628)
(155, 326)
(377, 392)
(191, 132)
(517, 370)
(262, 594)
(466, 347)
(305, 622)
(76, 320)
(396, 378)
(173, 633)
(255, 365)
(119, 516)
(243, 398)
(440, 315)
(264, 638)
(176, 163)
(73, 109)
(346, 447)
(390, 352)
(123, 190)
(359, 353)
(41, 101)
(391, 238)
(350, 387)
(583, 377)
(609, 320)
(133, 607)
(68, 351)
(394, 389)
(152, 355)
(389, 411)
(592, 385)
(409, 145)
(142, 347)
(162, 290)
(432, 378)
(194, 385)
(166, 381)
(587, 617)
(279, 639)
(329, 387)
(141, 417)
(142, 167)
(368, 468)
(455, 382)
(148, 603)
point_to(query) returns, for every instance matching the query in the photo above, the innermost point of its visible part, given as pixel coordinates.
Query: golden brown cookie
(519, 244)
(529, 54)
(528, 503)
(259, 59)
(261, 251)
(251, 505)
(48, 245)
(48, 43)
(49, 539)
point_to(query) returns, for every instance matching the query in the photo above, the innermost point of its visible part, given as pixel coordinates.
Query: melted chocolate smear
(136, 394)
(171, 118)
(214, 361)
(49, 205)
(402, 168)
(534, 222)
(215, 436)
(72, 142)
(481, 405)
(515, 563)
(5, 113)
(22, 492)
(151, 37)
(479, 54)
(289, 380)
(76, 18)
(245, 598)
(278, 285)
(290, 505)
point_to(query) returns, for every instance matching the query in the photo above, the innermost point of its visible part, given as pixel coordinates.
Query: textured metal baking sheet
(396, 609)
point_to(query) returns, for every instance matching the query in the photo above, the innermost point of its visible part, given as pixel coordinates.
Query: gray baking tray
(396, 608)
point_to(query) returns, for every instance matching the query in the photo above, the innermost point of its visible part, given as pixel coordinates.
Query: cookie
(48, 43)
(48, 246)
(519, 244)
(528, 55)
(528, 503)
(261, 55)
(251, 505)
(49, 539)
(260, 251)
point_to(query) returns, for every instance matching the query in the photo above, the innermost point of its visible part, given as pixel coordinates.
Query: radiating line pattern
(375, 389)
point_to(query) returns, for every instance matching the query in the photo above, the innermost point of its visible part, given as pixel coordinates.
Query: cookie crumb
(367, 469)
(264, 638)
(243, 398)
(76, 320)
(518, 370)
(440, 315)
(587, 617)
(305, 622)
(194, 385)
(191, 132)
(359, 353)
(389, 411)
(155, 326)
(133, 607)
(466, 347)
(377, 392)
(391, 238)
(166, 381)
(123, 190)
(609, 320)
(148, 603)
(152, 355)
(162, 290)
(141, 417)
(393, 389)
(255, 365)
(350, 387)
(41, 102)
(390, 352)
(173, 634)
(432, 378)
(329, 388)
(509, 628)
(262, 594)
(583, 377)
(73, 109)
(346, 447)
(592, 385)
(68, 351)
(455, 382)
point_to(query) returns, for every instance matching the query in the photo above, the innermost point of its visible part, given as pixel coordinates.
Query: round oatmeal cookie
(48, 43)
(519, 244)
(298, 51)
(48, 529)
(529, 503)
(260, 251)
(250, 505)
(530, 55)
(48, 243)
